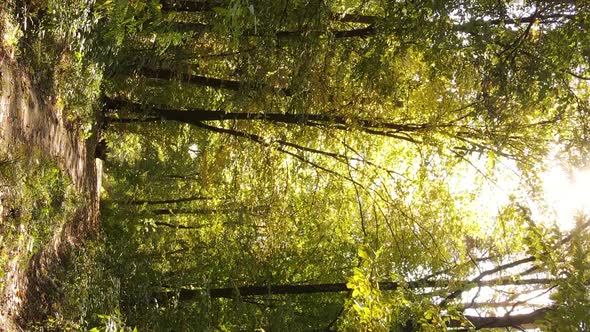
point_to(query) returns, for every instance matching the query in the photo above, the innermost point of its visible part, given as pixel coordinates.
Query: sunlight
(567, 194)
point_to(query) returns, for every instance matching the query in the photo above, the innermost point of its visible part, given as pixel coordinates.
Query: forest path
(28, 118)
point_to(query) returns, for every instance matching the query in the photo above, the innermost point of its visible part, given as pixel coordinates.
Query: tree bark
(231, 292)
(184, 227)
(192, 6)
(206, 211)
(186, 27)
(290, 289)
(197, 116)
(165, 201)
(503, 321)
(201, 6)
(477, 322)
(216, 83)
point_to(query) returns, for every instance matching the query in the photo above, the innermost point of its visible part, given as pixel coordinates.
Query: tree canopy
(338, 165)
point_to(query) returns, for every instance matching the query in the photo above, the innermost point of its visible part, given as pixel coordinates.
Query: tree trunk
(192, 6)
(186, 27)
(165, 201)
(207, 211)
(196, 116)
(289, 289)
(216, 83)
(480, 322)
(231, 292)
(201, 6)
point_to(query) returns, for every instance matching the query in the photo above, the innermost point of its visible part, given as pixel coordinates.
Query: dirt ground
(28, 118)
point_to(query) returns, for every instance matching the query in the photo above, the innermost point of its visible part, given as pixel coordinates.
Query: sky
(567, 193)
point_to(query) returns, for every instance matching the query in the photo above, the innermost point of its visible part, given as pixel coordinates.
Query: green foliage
(88, 289)
(349, 141)
(237, 18)
(38, 199)
(572, 300)
(112, 323)
(52, 39)
(77, 89)
(406, 114)
(11, 33)
(368, 311)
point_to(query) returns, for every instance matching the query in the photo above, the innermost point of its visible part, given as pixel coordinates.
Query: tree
(299, 159)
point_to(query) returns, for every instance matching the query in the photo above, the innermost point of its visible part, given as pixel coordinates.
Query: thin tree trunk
(371, 20)
(231, 292)
(201, 6)
(186, 27)
(180, 226)
(370, 30)
(481, 322)
(207, 211)
(192, 6)
(165, 201)
(288, 289)
(477, 322)
(216, 83)
(177, 226)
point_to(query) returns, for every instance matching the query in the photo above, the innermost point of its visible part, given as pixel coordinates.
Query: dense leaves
(290, 146)
(337, 165)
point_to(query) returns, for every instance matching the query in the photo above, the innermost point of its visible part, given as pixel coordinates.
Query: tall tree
(332, 141)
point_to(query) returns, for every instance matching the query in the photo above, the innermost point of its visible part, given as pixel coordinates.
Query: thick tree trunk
(197, 116)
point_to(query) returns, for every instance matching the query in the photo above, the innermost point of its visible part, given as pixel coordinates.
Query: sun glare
(567, 194)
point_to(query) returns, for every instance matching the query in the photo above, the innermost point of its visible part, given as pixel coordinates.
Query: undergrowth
(37, 200)
(48, 39)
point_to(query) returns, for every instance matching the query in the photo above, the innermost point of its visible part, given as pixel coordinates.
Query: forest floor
(37, 141)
